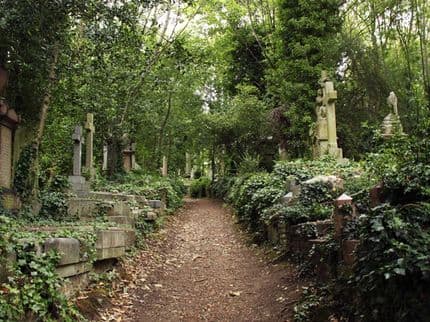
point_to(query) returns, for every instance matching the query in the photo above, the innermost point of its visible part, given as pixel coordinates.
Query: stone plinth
(79, 186)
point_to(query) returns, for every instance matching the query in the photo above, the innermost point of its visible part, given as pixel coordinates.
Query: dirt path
(201, 268)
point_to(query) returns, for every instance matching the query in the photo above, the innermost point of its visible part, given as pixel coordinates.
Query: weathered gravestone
(326, 134)
(188, 164)
(105, 158)
(164, 169)
(9, 121)
(77, 181)
(129, 157)
(89, 155)
(391, 124)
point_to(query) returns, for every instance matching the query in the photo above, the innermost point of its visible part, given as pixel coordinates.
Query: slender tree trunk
(34, 169)
(163, 126)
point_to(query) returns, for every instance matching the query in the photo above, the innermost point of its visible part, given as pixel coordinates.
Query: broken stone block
(68, 248)
(151, 216)
(155, 204)
(287, 198)
(335, 182)
(73, 269)
(110, 239)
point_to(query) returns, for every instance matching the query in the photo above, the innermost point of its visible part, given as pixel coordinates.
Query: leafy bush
(200, 187)
(391, 280)
(221, 186)
(251, 195)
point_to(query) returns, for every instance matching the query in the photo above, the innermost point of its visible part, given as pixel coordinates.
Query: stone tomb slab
(68, 248)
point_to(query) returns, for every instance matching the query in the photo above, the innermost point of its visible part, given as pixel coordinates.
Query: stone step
(87, 209)
(122, 220)
(110, 196)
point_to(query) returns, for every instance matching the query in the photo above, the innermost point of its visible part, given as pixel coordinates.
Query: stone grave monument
(77, 181)
(129, 157)
(89, 155)
(164, 170)
(9, 121)
(325, 136)
(391, 124)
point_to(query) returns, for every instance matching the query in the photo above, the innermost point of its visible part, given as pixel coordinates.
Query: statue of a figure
(392, 101)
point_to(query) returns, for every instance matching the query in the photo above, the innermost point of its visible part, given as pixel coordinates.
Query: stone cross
(78, 140)
(392, 101)
(89, 156)
(326, 121)
(328, 100)
(164, 169)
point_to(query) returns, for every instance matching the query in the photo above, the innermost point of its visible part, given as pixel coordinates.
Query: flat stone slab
(73, 269)
(110, 239)
(113, 252)
(68, 248)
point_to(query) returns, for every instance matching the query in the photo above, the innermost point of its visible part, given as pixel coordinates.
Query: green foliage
(199, 188)
(22, 179)
(252, 194)
(151, 187)
(33, 289)
(221, 187)
(391, 278)
(308, 44)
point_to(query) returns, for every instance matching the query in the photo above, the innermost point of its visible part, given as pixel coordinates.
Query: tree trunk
(34, 169)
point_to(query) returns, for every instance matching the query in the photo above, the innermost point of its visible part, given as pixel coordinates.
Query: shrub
(221, 186)
(200, 187)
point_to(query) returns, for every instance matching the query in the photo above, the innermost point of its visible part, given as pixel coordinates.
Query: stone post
(89, 156)
(164, 171)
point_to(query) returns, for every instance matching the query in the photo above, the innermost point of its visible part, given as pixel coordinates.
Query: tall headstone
(164, 170)
(188, 164)
(105, 158)
(77, 181)
(391, 124)
(89, 155)
(326, 134)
